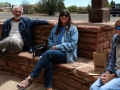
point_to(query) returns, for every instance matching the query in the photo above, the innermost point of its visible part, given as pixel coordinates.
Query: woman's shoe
(28, 81)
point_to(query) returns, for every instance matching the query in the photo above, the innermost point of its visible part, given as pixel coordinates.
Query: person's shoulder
(115, 36)
(55, 26)
(25, 18)
(8, 20)
(73, 26)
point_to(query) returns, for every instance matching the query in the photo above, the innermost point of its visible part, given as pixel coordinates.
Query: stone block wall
(94, 37)
(41, 33)
(73, 76)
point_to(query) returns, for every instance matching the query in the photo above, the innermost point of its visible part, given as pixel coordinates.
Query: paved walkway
(9, 82)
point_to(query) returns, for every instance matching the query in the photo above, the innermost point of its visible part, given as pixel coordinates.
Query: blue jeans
(114, 84)
(47, 60)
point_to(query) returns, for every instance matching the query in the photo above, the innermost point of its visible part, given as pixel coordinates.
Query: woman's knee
(49, 53)
(104, 87)
(91, 87)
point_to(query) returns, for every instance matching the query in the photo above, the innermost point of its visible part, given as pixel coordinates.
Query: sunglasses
(118, 27)
(64, 15)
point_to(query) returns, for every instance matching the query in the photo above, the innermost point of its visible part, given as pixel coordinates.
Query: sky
(66, 2)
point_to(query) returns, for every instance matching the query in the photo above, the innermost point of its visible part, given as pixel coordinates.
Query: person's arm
(43, 22)
(107, 76)
(117, 72)
(52, 23)
(112, 55)
(71, 44)
(51, 38)
(5, 29)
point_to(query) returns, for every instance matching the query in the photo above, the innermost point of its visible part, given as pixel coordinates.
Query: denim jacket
(25, 29)
(112, 56)
(68, 43)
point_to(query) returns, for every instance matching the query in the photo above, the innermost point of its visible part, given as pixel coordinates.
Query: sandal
(24, 82)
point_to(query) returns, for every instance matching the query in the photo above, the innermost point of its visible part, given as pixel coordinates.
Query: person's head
(117, 26)
(17, 12)
(64, 18)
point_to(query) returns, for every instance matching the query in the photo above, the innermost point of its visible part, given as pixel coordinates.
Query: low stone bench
(72, 76)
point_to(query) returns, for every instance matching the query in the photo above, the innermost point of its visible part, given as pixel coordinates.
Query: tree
(108, 4)
(27, 8)
(50, 6)
(82, 10)
(38, 8)
(5, 4)
(12, 5)
(73, 8)
(88, 7)
(9, 5)
(60, 5)
(25, 5)
(1, 4)
(112, 3)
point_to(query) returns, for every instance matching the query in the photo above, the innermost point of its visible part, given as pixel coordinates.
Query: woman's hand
(110, 77)
(103, 78)
(107, 77)
(52, 23)
(54, 47)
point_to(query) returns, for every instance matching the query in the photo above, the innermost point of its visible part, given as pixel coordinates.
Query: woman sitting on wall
(62, 49)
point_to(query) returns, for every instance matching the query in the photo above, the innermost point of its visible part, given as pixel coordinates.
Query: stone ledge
(91, 36)
(66, 76)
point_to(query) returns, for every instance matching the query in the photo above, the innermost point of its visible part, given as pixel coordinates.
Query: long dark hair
(63, 12)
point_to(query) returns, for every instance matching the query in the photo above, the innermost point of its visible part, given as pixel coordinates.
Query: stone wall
(93, 37)
(72, 76)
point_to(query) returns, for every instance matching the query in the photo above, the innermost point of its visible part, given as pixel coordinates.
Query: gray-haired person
(17, 32)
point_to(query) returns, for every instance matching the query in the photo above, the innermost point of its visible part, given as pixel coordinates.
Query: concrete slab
(9, 82)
